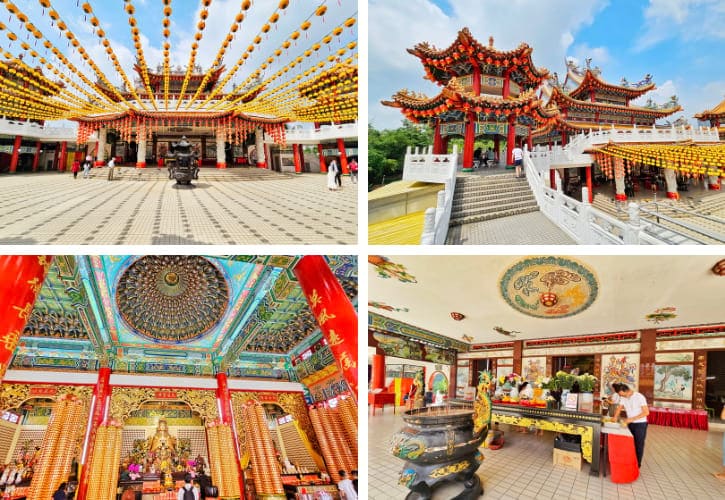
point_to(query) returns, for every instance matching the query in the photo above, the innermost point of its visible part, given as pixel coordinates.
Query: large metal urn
(182, 166)
(440, 444)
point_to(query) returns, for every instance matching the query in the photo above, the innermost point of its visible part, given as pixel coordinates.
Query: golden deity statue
(162, 444)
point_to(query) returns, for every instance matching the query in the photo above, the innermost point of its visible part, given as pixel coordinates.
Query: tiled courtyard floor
(221, 208)
(677, 464)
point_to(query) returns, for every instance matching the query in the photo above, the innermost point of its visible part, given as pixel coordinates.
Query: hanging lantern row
(315, 47)
(192, 55)
(288, 67)
(48, 45)
(129, 126)
(38, 78)
(166, 22)
(687, 160)
(130, 9)
(245, 55)
(114, 60)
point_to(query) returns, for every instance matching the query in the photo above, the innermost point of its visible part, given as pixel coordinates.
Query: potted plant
(586, 399)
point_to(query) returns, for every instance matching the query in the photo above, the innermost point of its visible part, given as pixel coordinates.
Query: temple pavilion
(585, 101)
(485, 92)
(715, 118)
(293, 68)
(130, 372)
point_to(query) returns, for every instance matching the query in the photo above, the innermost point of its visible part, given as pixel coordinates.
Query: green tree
(386, 150)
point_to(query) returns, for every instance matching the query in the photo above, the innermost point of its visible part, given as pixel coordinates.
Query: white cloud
(685, 19)
(598, 55)
(398, 25)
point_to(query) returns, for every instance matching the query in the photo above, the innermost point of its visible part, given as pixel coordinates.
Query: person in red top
(76, 168)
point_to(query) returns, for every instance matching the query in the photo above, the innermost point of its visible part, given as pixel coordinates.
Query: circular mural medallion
(172, 298)
(549, 287)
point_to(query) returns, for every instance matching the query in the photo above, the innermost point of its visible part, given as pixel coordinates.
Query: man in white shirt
(518, 155)
(347, 490)
(635, 404)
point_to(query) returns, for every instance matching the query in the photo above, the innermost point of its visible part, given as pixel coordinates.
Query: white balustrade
(32, 130)
(324, 133)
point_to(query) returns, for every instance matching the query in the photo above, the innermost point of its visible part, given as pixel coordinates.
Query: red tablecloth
(380, 399)
(677, 417)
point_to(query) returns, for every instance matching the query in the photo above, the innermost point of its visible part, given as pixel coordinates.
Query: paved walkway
(526, 229)
(226, 208)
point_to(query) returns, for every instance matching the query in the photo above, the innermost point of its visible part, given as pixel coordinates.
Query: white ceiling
(630, 287)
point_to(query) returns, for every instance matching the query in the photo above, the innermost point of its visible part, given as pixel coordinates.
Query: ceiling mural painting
(387, 269)
(549, 287)
(194, 316)
(662, 314)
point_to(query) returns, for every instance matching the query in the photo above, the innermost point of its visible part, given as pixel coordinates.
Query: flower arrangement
(587, 382)
(512, 379)
(565, 380)
(546, 382)
(134, 471)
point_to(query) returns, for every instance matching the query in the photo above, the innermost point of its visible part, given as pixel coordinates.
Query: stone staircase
(481, 198)
(206, 174)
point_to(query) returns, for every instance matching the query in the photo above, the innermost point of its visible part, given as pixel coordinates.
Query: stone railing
(324, 133)
(424, 166)
(31, 130)
(589, 226)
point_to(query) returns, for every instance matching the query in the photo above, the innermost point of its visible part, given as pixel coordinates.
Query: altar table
(678, 417)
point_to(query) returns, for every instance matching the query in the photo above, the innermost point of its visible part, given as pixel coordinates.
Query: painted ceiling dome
(172, 298)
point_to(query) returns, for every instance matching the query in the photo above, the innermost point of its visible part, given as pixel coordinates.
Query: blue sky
(680, 42)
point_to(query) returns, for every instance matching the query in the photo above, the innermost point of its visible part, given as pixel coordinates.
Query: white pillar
(671, 180)
(101, 153)
(259, 147)
(619, 188)
(141, 144)
(221, 161)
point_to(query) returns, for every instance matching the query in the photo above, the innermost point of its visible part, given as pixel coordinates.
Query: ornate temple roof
(716, 112)
(563, 100)
(458, 60)
(590, 79)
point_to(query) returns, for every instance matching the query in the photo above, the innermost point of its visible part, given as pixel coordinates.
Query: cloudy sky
(114, 20)
(680, 42)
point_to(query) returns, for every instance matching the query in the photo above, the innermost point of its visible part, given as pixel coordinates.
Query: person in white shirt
(347, 490)
(188, 491)
(518, 155)
(635, 404)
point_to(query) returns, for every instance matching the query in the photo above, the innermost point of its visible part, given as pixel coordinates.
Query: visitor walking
(338, 176)
(347, 490)
(87, 167)
(353, 171)
(490, 157)
(75, 168)
(111, 164)
(60, 493)
(635, 404)
(518, 155)
(187, 491)
(332, 175)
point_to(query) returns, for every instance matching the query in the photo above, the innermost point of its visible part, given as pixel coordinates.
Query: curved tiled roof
(590, 80)
(718, 111)
(560, 98)
(440, 64)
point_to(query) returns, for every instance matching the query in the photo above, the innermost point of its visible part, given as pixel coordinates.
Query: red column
(377, 378)
(343, 156)
(476, 78)
(296, 156)
(225, 405)
(444, 145)
(21, 277)
(530, 140)
(334, 312)
(16, 154)
(437, 142)
(36, 158)
(101, 393)
(323, 166)
(301, 153)
(552, 178)
(497, 147)
(589, 183)
(510, 140)
(506, 84)
(564, 138)
(468, 140)
(63, 155)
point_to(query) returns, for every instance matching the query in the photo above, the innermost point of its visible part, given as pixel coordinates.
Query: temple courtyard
(240, 206)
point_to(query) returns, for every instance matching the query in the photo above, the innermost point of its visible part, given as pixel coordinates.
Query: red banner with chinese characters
(334, 312)
(21, 277)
